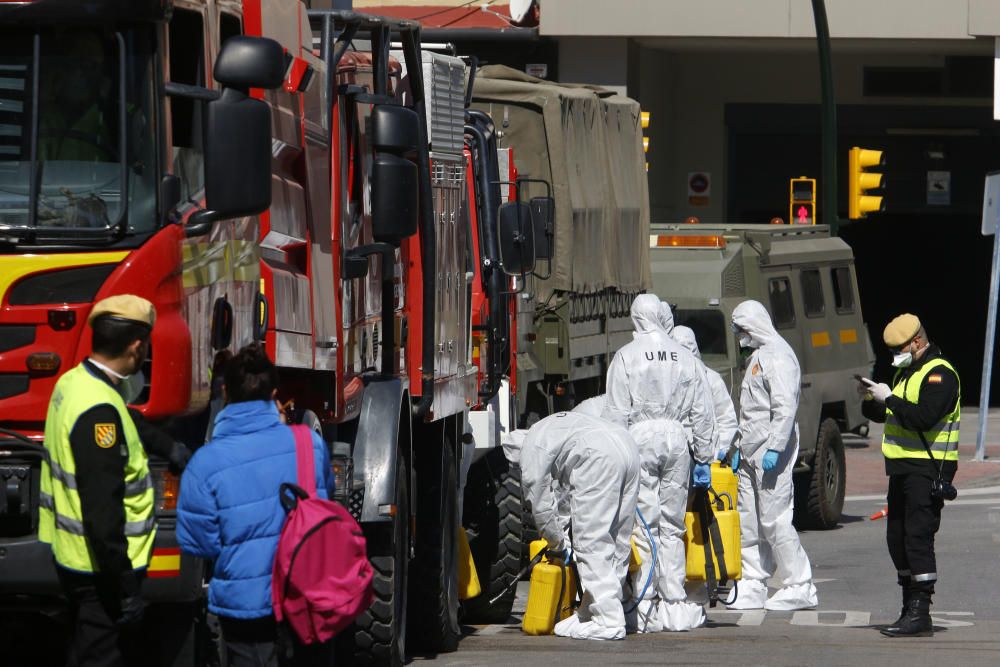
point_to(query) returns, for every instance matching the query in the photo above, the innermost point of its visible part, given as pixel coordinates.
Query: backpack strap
(304, 459)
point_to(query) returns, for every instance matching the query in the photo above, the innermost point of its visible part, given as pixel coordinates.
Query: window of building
(782, 308)
(812, 293)
(187, 65)
(843, 289)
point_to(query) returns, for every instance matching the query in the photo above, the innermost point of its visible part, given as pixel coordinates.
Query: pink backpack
(322, 578)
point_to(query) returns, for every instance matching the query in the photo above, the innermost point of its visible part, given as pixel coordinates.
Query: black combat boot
(916, 619)
(906, 604)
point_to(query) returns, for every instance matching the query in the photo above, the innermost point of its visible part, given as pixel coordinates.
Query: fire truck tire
(821, 492)
(493, 523)
(379, 634)
(434, 576)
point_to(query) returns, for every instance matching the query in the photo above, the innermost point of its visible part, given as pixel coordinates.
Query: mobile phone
(863, 380)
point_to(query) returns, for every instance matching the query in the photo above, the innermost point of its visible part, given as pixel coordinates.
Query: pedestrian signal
(802, 201)
(861, 182)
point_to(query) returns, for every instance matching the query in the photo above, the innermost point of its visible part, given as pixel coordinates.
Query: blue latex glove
(734, 462)
(721, 454)
(702, 475)
(770, 460)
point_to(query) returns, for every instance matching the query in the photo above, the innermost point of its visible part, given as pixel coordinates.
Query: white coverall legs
(664, 474)
(769, 542)
(603, 488)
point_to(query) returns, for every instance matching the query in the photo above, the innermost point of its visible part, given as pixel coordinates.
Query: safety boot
(902, 612)
(916, 619)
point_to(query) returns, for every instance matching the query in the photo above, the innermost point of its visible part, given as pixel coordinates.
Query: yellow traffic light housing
(860, 182)
(644, 121)
(802, 201)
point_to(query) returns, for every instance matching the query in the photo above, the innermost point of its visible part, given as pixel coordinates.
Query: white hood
(646, 314)
(666, 317)
(752, 317)
(685, 336)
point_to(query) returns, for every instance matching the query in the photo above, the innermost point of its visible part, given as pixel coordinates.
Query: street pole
(991, 213)
(829, 121)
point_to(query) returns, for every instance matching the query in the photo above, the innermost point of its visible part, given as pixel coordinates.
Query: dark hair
(112, 335)
(250, 375)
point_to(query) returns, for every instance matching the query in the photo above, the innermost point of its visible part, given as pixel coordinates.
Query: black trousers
(97, 640)
(258, 643)
(913, 519)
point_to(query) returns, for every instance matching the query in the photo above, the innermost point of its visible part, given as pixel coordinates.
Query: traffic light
(644, 115)
(802, 201)
(860, 182)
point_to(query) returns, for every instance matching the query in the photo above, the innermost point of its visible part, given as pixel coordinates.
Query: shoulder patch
(934, 378)
(105, 434)
(755, 370)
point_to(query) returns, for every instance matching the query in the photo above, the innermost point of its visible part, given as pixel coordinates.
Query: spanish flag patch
(105, 434)
(935, 378)
(755, 370)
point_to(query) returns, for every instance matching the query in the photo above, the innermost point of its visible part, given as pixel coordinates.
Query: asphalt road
(857, 589)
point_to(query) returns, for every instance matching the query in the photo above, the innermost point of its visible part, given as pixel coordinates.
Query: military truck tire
(378, 636)
(492, 519)
(825, 500)
(434, 576)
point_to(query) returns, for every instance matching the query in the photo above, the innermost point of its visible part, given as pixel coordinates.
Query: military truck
(806, 279)
(573, 310)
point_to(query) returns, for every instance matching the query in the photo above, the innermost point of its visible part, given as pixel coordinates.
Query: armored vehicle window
(812, 293)
(843, 289)
(709, 328)
(782, 309)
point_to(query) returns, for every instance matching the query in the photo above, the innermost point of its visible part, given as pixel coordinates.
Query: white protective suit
(595, 462)
(592, 406)
(653, 379)
(724, 411)
(769, 400)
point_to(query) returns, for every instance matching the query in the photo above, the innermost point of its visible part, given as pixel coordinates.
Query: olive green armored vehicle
(806, 280)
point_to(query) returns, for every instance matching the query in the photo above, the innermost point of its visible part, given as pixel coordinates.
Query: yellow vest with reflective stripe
(900, 442)
(60, 519)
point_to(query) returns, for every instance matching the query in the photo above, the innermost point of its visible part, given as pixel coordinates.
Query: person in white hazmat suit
(594, 463)
(655, 387)
(767, 451)
(724, 410)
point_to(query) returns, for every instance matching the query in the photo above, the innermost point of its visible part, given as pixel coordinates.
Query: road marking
(494, 630)
(822, 581)
(950, 622)
(852, 619)
(747, 617)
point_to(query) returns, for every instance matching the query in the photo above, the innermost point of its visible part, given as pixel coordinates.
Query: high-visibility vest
(901, 442)
(60, 519)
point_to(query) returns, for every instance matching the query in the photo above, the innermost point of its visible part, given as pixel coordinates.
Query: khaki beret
(125, 307)
(901, 330)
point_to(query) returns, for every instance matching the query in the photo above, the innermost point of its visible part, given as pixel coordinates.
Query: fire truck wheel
(492, 518)
(379, 634)
(434, 578)
(821, 492)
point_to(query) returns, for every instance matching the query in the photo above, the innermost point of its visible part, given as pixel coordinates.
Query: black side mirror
(394, 180)
(517, 241)
(543, 221)
(238, 129)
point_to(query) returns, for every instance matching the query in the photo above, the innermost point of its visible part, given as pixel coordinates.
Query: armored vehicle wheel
(434, 577)
(492, 519)
(823, 490)
(378, 636)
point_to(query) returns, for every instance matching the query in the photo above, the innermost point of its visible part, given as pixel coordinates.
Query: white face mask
(902, 360)
(131, 386)
(746, 340)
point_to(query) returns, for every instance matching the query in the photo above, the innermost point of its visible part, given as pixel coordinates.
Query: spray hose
(652, 566)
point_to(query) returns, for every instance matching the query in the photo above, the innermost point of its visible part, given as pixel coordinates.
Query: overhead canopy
(587, 142)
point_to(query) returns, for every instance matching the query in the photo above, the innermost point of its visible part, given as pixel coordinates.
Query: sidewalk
(866, 467)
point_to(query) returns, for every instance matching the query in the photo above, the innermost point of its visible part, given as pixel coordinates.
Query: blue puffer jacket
(229, 509)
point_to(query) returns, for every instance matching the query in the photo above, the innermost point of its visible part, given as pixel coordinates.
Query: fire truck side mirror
(543, 221)
(394, 181)
(517, 240)
(250, 62)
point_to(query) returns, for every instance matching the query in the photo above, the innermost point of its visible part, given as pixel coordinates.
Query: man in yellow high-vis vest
(921, 412)
(96, 501)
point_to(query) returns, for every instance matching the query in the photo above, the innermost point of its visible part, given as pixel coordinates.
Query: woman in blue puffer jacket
(229, 510)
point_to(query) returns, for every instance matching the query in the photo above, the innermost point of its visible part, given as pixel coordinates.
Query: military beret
(125, 307)
(901, 330)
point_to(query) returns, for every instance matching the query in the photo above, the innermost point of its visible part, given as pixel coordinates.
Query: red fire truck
(293, 191)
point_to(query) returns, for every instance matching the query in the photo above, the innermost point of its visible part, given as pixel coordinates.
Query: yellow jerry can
(551, 593)
(724, 481)
(468, 580)
(634, 558)
(729, 529)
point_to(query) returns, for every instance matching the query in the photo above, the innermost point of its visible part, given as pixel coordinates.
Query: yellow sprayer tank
(724, 481)
(468, 580)
(545, 604)
(729, 528)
